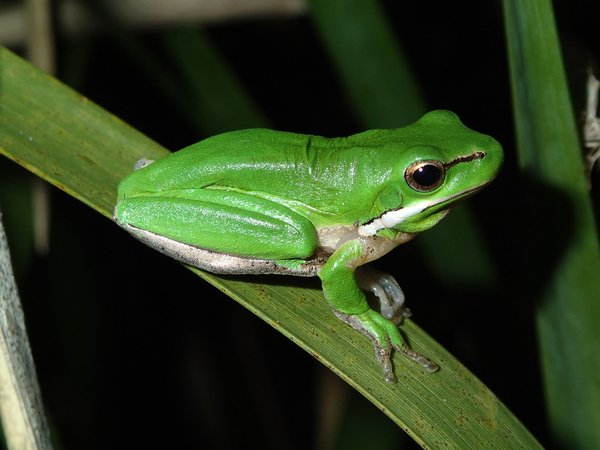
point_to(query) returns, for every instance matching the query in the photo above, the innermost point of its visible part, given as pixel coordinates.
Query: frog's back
(315, 176)
(241, 159)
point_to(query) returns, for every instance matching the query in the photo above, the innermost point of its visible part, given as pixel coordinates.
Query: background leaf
(562, 258)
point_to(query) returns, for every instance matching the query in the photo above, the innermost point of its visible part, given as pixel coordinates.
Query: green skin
(262, 201)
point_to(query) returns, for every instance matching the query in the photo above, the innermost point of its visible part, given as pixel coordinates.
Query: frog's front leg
(350, 305)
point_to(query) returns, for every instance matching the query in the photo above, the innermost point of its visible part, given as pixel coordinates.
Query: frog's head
(441, 162)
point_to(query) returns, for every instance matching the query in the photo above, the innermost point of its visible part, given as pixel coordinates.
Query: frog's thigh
(225, 222)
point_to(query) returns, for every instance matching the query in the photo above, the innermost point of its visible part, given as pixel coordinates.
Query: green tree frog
(267, 202)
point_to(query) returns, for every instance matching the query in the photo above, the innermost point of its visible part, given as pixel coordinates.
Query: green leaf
(77, 146)
(564, 259)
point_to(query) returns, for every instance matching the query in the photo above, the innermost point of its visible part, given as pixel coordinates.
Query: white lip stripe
(371, 228)
(392, 218)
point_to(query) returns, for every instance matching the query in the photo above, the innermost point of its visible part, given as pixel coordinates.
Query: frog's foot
(385, 337)
(387, 290)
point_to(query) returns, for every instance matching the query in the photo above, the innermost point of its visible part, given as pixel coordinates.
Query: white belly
(374, 247)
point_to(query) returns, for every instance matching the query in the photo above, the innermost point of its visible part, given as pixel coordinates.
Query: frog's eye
(425, 176)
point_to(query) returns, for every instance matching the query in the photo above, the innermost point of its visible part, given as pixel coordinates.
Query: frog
(266, 202)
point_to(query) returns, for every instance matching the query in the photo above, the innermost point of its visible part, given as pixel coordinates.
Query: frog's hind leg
(223, 222)
(387, 291)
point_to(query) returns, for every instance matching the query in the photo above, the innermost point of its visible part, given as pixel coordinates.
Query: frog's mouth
(394, 217)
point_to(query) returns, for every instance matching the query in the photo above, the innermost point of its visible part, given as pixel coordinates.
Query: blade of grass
(568, 310)
(369, 61)
(21, 407)
(82, 149)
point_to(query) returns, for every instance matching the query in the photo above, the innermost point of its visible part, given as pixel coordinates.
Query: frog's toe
(384, 338)
(384, 357)
(420, 359)
(397, 309)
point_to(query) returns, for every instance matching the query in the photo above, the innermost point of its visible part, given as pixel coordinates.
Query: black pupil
(427, 175)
